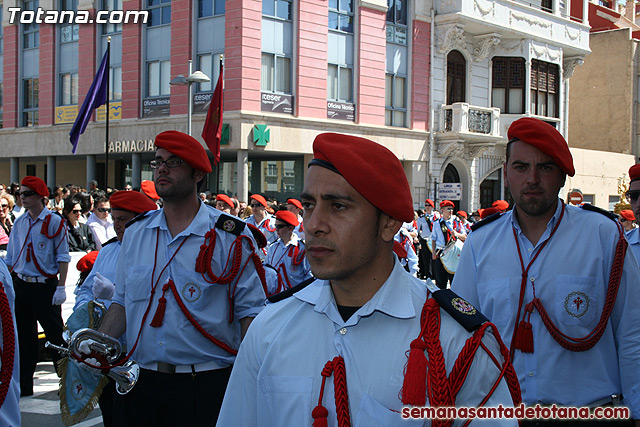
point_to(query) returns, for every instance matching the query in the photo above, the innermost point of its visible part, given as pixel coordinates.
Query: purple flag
(96, 96)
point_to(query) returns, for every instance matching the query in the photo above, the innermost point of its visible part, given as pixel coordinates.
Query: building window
(277, 9)
(30, 32)
(547, 5)
(158, 77)
(395, 100)
(30, 98)
(68, 32)
(115, 83)
(339, 86)
(210, 8)
(397, 22)
(544, 89)
(69, 89)
(276, 73)
(508, 85)
(111, 5)
(159, 12)
(341, 15)
(456, 77)
(209, 63)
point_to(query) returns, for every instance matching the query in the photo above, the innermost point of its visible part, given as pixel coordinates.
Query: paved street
(43, 408)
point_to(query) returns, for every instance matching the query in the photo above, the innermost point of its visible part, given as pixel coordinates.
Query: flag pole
(106, 145)
(221, 70)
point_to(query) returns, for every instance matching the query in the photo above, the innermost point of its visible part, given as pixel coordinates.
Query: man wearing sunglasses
(186, 289)
(262, 219)
(100, 221)
(38, 256)
(557, 283)
(633, 197)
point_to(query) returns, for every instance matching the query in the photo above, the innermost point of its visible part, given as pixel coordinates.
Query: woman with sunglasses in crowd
(80, 236)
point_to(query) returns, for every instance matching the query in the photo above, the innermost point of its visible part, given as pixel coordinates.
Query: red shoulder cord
(523, 333)
(296, 255)
(8, 344)
(44, 230)
(45, 227)
(266, 226)
(429, 377)
(320, 413)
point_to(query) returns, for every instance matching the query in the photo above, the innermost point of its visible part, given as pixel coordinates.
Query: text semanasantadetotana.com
(520, 412)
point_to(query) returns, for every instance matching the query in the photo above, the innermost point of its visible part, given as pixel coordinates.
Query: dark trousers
(425, 261)
(160, 399)
(442, 275)
(33, 304)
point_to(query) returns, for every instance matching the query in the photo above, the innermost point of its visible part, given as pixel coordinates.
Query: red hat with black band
(462, 214)
(186, 147)
(85, 264)
(36, 184)
(488, 212)
(295, 202)
(447, 203)
(288, 217)
(224, 198)
(131, 201)
(545, 138)
(430, 202)
(502, 205)
(370, 168)
(634, 172)
(149, 188)
(627, 214)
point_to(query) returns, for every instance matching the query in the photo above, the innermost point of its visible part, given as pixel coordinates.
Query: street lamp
(195, 77)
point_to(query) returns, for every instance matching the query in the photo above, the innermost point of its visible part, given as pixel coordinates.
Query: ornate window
(456, 77)
(507, 84)
(545, 93)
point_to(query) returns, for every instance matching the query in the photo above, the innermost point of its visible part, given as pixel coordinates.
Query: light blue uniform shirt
(438, 236)
(570, 276)
(48, 252)
(277, 375)
(633, 237)
(10, 410)
(177, 341)
(105, 264)
(267, 226)
(278, 257)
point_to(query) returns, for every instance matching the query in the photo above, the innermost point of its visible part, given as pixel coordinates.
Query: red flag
(212, 131)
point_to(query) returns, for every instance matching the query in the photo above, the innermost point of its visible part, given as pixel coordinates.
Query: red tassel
(524, 337)
(414, 388)
(319, 415)
(156, 322)
(28, 254)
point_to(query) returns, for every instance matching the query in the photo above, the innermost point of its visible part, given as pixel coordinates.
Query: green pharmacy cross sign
(261, 135)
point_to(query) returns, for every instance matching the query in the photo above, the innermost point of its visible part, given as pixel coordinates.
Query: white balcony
(518, 19)
(467, 130)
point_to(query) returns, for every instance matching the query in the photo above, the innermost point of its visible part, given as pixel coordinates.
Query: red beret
(446, 203)
(370, 168)
(261, 240)
(487, 212)
(502, 205)
(634, 172)
(288, 217)
(545, 138)
(85, 264)
(430, 202)
(260, 199)
(132, 201)
(295, 202)
(36, 184)
(226, 199)
(149, 188)
(462, 214)
(627, 214)
(186, 147)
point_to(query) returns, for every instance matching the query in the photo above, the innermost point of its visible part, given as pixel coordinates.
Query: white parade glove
(60, 296)
(85, 347)
(94, 362)
(103, 288)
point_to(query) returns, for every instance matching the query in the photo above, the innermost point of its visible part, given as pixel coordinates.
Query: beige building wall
(601, 98)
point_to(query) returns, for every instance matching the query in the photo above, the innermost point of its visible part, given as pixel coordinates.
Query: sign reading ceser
(140, 146)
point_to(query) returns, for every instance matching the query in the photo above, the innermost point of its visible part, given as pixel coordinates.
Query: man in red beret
(38, 257)
(186, 289)
(444, 234)
(286, 254)
(262, 219)
(224, 203)
(501, 205)
(294, 205)
(425, 227)
(543, 272)
(633, 197)
(354, 324)
(627, 219)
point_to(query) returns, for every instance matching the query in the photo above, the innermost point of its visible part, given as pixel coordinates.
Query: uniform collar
(41, 216)
(199, 225)
(552, 222)
(394, 298)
